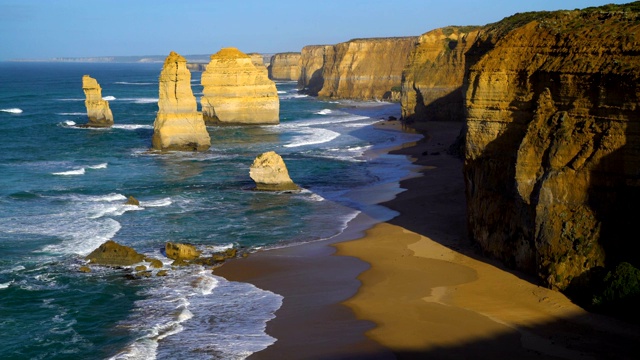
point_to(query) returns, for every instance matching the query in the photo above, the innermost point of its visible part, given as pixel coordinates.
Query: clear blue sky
(41, 29)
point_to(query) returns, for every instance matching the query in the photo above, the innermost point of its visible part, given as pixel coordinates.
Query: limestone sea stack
(270, 173)
(98, 109)
(235, 91)
(285, 66)
(178, 124)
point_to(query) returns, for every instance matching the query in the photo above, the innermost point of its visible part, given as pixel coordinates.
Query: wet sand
(414, 286)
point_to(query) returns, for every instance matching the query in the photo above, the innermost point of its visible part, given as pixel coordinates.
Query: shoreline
(414, 286)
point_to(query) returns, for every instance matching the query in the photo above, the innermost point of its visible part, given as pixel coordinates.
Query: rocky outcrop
(196, 66)
(285, 66)
(257, 60)
(178, 124)
(113, 254)
(235, 91)
(178, 251)
(552, 165)
(269, 172)
(132, 201)
(365, 69)
(311, 66)
(432, 80)
(98, 109)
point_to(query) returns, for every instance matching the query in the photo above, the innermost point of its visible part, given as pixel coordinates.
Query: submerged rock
(98, 109)
(113, 254)
(178, 124)
(132, 201)
(269, 172)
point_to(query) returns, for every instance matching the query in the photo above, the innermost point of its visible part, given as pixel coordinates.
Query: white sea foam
(13, 269)
(312, 136)
(68, 123)
(157, 203)
(12, 110)
(99, 166)
(80, 171)
(293, 96)
(5, 285)
(281, 92)
(140, 100)
(324, 112)
(133, 83)
(131, 126)
(108, 98)
(73, 114)
(108, 198)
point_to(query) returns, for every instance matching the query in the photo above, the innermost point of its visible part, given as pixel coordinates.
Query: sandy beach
(415, 287)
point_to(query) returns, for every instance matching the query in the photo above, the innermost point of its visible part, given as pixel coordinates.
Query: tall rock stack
(285, 66)
(235, 91)
(178, 124)
(552, 160)
(98, 109)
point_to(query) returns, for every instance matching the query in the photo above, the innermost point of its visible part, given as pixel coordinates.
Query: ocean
(63, 190)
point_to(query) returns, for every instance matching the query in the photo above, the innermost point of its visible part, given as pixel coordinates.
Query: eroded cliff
(552, 165)
(432, 80)
(235, 91)
(285, 66)
(365, 69)
(311, 65)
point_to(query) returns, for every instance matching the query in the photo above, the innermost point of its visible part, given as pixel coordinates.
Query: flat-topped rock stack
(178, 124)
(98, 109)
(237, 92)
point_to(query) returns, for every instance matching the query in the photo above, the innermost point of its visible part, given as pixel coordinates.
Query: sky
(44, 29)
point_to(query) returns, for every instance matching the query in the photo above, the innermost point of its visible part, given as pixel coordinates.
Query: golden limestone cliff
(365, 69)
(235, 91)
(178, 124)
(285, 66)
(432, 80)
(98, 109)
(311, 65)
(552, 164)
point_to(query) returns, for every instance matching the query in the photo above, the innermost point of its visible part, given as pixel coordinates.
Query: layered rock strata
(235, 91)
(98, 109)
(552, 165)
(270, 173)
(178, 124)
(432, 80)
(310, 80)
(365, 69)
(285, 67)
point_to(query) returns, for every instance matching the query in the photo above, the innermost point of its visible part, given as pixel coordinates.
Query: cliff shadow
(446, 107)
(316, 82)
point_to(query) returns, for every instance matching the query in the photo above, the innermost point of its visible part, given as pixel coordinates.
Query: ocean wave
(108, 98)
(12, 110)
(133, 83)
(281, 92)
(109, 197)
(68, 123)
(293, 96)
(99, 166)
(157, 203)
(80, 171)
(312, 136)
(324, 112)
(131, 126)
(140, 100)
(73, 114)
(5, 285)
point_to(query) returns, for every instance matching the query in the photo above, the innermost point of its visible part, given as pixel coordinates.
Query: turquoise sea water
(62, 194)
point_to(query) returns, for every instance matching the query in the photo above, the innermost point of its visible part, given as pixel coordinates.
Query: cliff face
(432, 80)
(311, 65)
(237, 92)
(552, 164)
(178, 124)
(285, 67)
(98, 109)
(365, 69)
